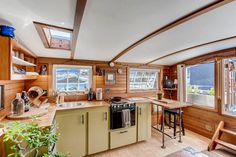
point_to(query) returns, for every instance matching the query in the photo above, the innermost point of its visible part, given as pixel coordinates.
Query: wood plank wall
(10, 90)
(201, 120)
(118, 89)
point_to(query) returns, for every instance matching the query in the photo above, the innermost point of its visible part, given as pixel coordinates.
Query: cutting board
(28, 115)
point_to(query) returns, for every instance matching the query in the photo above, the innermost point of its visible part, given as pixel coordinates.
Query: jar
(18, 105)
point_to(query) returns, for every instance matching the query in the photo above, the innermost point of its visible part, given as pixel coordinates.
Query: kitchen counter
(81, 105)
(139, 100)
(43, 121)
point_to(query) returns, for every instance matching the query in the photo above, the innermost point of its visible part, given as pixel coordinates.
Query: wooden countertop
(169, 104)
(139, 99)
(84, 104)
(43, 121)
(47, 120)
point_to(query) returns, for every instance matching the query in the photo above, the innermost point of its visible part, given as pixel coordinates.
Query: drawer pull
(82, 119)
(122, 132)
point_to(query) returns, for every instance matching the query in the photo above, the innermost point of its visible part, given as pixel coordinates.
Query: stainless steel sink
(69, 104)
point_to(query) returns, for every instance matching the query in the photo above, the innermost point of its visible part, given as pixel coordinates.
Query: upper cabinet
(17, 62)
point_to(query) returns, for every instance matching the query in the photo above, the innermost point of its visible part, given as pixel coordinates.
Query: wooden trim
(221, 54)
(80, 7)
(192, 47)
(173, 24)
(44, 25)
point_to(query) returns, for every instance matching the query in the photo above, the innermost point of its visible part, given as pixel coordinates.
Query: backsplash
(10, 90)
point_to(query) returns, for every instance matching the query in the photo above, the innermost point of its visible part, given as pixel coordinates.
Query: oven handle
(122, 132)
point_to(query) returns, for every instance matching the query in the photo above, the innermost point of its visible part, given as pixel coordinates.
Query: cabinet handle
(140, 111)
(106, 116)
(123, 132)
(82, 119)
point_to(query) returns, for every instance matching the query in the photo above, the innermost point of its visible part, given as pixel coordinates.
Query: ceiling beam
(79, 12)
(192, 47)
(173, 24)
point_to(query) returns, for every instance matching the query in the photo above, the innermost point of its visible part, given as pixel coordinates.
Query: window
(143, 79)
(200, 84)
(53, 36)
(72, 78)
(229, 92)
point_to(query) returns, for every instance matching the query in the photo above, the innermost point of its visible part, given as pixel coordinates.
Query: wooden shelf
(19, 61)
(23, 77)
(18, 47)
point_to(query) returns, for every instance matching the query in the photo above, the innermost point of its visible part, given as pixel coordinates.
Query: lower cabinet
(83, 131)
(98, 130)
(143, 121)
(123, 137)
(73, 132)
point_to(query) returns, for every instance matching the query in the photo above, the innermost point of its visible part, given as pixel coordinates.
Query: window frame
(40, 29)
(200, 106)
(143, 90)
(55, 66)
(222, 77)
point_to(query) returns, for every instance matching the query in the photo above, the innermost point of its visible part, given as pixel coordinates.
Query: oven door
(116, 118)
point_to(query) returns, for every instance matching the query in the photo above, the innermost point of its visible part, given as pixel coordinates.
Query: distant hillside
(202, 75)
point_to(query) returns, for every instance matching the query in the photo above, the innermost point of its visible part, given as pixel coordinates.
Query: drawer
(123, 137)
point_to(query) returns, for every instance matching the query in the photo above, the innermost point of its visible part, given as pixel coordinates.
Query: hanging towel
(126, 118)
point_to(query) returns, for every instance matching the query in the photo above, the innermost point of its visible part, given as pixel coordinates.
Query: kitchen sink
(69, 104)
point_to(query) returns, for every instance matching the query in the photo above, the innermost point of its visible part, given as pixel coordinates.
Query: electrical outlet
(208, 127)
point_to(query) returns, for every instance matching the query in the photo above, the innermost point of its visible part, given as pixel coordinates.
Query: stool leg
(182, 121)
(175, 125)
(169, 120)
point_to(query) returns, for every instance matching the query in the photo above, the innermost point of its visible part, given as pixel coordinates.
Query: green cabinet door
(72, 130)
(144, 121)
(98, 126)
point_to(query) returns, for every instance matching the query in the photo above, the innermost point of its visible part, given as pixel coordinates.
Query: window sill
(228, 115)
(204, 108)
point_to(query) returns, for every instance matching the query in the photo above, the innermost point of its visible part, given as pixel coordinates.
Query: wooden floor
(152, 147)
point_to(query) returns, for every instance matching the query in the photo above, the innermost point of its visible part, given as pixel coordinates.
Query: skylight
(60, 34)
(54, 37)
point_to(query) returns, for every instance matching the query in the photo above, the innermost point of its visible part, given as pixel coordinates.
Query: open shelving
(18, 61)
(7, 59)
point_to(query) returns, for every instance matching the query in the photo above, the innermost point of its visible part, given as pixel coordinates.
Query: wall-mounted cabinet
(17, 62)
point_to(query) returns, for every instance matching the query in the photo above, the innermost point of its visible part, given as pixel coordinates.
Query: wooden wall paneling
(10, 90)
(5, 58)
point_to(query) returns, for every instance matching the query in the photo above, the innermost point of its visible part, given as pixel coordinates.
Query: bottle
(18, 105)
(25, 97)
(90, 95)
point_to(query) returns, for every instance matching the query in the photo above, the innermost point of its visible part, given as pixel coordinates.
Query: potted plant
(28, 139)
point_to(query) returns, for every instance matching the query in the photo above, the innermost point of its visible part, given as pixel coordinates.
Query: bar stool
(175, 113)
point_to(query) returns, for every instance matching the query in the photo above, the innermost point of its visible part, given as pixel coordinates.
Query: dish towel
(126, 118)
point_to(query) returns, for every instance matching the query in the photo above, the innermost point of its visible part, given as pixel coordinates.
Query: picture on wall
(1, 97)
(110, 77)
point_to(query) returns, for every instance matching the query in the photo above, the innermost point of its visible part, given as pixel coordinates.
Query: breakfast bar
(168, 104)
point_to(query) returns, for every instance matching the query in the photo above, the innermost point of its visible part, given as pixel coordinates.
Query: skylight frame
(47, 41)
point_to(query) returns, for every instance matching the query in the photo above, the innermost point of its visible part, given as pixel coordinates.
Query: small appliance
(99, 94)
